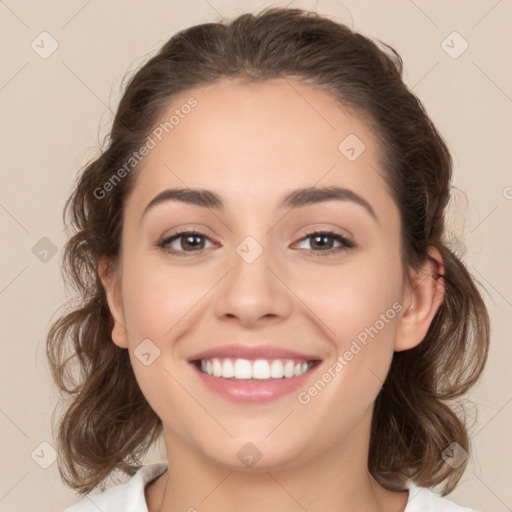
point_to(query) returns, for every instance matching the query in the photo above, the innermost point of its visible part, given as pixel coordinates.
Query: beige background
(55, 110)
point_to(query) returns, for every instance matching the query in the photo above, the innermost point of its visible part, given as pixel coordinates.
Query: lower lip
(253, 391)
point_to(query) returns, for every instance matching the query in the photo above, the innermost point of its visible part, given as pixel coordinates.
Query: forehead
(251, 141)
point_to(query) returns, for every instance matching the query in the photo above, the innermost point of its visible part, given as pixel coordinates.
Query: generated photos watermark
(357, 345)
(151, 142)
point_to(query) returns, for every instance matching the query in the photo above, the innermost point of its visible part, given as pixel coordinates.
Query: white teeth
(243, 369)
(217, 368)
(288, 369)
(228, 370)
(260, 369)
(276, 369)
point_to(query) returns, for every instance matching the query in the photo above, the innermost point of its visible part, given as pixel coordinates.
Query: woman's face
(319, 313)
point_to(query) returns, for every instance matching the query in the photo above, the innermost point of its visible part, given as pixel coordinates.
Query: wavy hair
(107, 424)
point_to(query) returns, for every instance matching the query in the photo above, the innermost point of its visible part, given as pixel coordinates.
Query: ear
(422, 298)
(111, 281)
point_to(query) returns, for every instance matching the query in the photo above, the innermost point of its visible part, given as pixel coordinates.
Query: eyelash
(345, 243)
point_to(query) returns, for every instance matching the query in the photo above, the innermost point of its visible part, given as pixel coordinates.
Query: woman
(260, 256)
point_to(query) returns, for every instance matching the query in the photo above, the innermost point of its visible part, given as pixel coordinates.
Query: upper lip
(250, 352)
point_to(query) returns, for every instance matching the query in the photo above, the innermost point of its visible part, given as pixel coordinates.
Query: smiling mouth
(251, 370)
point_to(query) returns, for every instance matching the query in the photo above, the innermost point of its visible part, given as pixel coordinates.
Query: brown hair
(108, 425)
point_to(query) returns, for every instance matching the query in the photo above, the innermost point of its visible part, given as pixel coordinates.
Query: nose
(254, 293)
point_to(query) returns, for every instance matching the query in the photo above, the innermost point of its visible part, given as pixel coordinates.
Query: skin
(251, 143)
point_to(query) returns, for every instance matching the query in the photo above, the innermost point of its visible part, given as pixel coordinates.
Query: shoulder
(128, 497)
(424, 500)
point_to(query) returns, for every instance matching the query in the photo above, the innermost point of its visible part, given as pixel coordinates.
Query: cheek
(157, 297)
(359, 309)
(351, 299)
(359, 312)
(158, 305)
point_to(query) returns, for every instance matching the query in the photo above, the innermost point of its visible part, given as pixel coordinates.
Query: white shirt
(129, 497)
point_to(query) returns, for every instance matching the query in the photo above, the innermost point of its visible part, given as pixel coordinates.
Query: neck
(337, 479)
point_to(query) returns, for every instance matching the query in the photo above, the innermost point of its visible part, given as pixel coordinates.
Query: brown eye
(183, 242)
(192, 242)
(323, 242)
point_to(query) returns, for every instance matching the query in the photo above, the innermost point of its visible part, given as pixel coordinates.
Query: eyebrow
(294, 199)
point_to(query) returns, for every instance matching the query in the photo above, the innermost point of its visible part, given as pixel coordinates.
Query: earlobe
(422, 300)
(111, 284)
